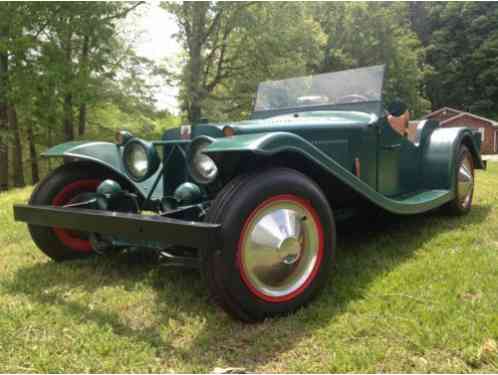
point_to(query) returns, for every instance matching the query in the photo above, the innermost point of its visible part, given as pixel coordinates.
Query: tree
(273, 41)
(11, 50)
(52, 59)
(205, 28)
(463, 51)
(81, 38)
(230, 47)
(97, 49)
(420, 21)
(22, 24)
(4, 123)
(362, 34)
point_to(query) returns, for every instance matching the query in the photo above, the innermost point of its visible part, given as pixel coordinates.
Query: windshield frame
(371, 106)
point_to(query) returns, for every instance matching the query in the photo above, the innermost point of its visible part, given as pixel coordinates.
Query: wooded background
(69, 70)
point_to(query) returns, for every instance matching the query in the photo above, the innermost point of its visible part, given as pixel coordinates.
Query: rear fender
(440, 156)
(108, 155)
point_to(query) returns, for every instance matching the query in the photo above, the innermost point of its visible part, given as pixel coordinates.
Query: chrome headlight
(202, 168)
(140, 159)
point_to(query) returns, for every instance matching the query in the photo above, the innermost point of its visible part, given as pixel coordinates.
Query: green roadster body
(253, 204)
(357, 149)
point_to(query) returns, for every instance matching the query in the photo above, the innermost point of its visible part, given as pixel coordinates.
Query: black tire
(49, 240)
(234, 207)
(461, 205)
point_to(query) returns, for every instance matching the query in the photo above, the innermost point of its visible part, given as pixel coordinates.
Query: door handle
(392, 147)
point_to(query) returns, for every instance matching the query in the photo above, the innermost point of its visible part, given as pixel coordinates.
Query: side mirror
(396, 108)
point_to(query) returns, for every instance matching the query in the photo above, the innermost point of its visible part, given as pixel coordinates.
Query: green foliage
(437, 54)
(273, 41)
(463, 52)
(363, 34)
(280, 40)
(68, 70)
(107, 118)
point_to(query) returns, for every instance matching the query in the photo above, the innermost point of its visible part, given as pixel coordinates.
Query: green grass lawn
(413, 294)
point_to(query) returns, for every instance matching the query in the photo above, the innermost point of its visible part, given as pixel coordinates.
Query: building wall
(488, 145)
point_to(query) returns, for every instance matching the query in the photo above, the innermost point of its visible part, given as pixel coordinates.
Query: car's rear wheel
(279, 242)
(464, 184)
(70, 183)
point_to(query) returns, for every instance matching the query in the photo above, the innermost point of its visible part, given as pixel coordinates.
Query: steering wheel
(353, 98)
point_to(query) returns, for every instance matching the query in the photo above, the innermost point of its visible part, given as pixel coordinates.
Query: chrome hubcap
(465, 181)
(280, 248)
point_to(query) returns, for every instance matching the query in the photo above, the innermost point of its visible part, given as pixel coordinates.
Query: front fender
(108, 155)
(268, 144)
(440, 156)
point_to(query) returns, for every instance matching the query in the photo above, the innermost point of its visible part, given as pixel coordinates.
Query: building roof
(458, 114)
(462, 114)
(442, 110)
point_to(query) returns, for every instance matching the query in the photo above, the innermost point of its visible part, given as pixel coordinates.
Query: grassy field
(416, 294)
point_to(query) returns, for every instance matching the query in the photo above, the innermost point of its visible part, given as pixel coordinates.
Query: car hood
(291, 123)
(336, 119)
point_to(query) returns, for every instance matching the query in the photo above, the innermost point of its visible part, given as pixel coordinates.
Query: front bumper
(167, 231)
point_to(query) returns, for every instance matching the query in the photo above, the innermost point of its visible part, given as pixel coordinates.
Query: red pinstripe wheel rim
(280, 248)
(70, 238)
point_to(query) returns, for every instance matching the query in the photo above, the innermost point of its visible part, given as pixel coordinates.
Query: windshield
(330, 90)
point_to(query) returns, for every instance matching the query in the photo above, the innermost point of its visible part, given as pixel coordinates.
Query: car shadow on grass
(182, 323)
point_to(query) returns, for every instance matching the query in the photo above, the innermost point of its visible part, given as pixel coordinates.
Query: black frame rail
(167, 231)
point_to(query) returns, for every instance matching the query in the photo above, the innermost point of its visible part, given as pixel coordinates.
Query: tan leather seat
(400, 123)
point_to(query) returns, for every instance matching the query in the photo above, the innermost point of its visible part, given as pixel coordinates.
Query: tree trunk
(68, 118)
(4, 123)
(17, 150)
(33, 157)
(51, 119)
(68, 95)
(82, 119)
(50, 144)
(83, 78)
(195, 111)
(4, 149)
(196, 64)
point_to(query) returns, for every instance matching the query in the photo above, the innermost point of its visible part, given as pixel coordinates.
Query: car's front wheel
(279, 242)
(70, 183)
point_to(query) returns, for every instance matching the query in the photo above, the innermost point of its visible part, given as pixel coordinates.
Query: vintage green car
(253, 204)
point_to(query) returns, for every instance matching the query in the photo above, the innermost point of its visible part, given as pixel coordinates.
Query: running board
(424, 197)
